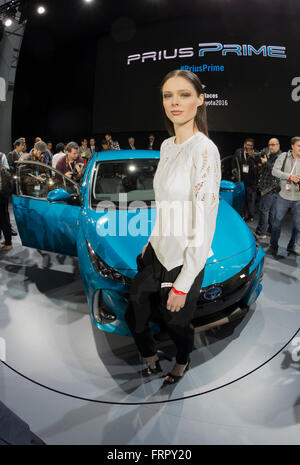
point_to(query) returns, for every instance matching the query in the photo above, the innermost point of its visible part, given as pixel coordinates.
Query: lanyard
(295, 163)
(70, 165)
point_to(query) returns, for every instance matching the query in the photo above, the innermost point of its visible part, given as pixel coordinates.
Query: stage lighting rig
(20, 10)
(9, 11)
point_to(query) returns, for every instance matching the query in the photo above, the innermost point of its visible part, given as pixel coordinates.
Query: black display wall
(249, 70)
(73, 79)
(55, 86)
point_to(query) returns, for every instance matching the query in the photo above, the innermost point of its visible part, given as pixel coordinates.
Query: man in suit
(50, 149)
(93, 146)
(15, 155)
(131, 142)
(151, 142)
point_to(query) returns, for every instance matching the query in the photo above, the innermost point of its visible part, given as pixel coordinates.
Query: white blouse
(186, 185)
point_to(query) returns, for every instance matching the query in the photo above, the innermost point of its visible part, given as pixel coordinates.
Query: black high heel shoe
(175, 377)
(149, 371)
(154, 371)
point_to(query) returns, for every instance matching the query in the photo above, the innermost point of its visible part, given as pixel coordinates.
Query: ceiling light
(8, 22)
(41, 10)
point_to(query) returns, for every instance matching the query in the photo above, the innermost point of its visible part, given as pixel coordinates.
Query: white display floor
(74, 384)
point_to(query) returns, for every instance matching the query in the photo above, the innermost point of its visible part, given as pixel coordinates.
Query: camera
(74, 175)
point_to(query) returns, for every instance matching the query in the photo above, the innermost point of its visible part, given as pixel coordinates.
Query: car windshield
(133, 177)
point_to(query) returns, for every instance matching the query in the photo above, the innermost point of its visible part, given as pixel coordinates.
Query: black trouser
(147, 282)
(250, 199)
(4, 220)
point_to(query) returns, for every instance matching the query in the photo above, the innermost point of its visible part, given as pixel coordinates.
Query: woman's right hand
(144, 249)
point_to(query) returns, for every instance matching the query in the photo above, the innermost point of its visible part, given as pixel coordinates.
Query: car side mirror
(227, 185)
(58, 195)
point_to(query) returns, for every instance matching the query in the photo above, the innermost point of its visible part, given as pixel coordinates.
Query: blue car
(107, 219)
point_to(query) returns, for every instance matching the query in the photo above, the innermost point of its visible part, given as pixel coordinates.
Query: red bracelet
(178, 292)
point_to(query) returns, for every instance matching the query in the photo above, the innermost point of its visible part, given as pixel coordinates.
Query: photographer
(248, 160)
(34, 183)
(71, 165)
(268, 187)
(287, 169)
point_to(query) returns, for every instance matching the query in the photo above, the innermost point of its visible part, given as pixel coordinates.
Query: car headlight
(105, 270)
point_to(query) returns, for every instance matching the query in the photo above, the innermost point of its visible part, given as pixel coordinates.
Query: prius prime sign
(271, 51)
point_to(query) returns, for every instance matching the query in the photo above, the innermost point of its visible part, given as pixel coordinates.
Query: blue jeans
(266, 213)
(281, 208)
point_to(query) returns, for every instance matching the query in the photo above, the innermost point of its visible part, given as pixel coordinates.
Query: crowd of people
(86, 149)
(271, 177)
(70, 159)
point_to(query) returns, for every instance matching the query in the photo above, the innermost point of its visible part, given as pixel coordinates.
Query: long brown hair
(201, 117)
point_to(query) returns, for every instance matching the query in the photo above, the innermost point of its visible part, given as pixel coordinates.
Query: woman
(189, 175)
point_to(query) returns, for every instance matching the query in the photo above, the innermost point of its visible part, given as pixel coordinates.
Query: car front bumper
(109, 305)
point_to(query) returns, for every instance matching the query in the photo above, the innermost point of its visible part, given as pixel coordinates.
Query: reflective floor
(74, 384)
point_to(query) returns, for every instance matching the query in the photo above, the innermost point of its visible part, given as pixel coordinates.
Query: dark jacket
(11, 158)
(95, 150)
(250, 178)
(267, 183)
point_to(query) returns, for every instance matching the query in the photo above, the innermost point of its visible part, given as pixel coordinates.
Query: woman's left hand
(175, 302)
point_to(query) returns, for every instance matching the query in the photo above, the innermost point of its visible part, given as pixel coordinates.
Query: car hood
(119, 250)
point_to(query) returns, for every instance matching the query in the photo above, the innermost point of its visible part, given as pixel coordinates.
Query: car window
(231, 169)
(37, 180)
(133, 177)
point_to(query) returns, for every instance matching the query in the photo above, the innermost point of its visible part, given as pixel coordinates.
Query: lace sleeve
(206, 177)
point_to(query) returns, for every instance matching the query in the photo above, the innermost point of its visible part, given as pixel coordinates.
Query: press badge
(245, 168)
(288, 186)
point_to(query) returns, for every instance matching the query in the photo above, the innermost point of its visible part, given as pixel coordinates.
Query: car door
(41, 224)
(232, 189)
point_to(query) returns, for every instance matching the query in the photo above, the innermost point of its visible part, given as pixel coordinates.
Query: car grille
(226, 288)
